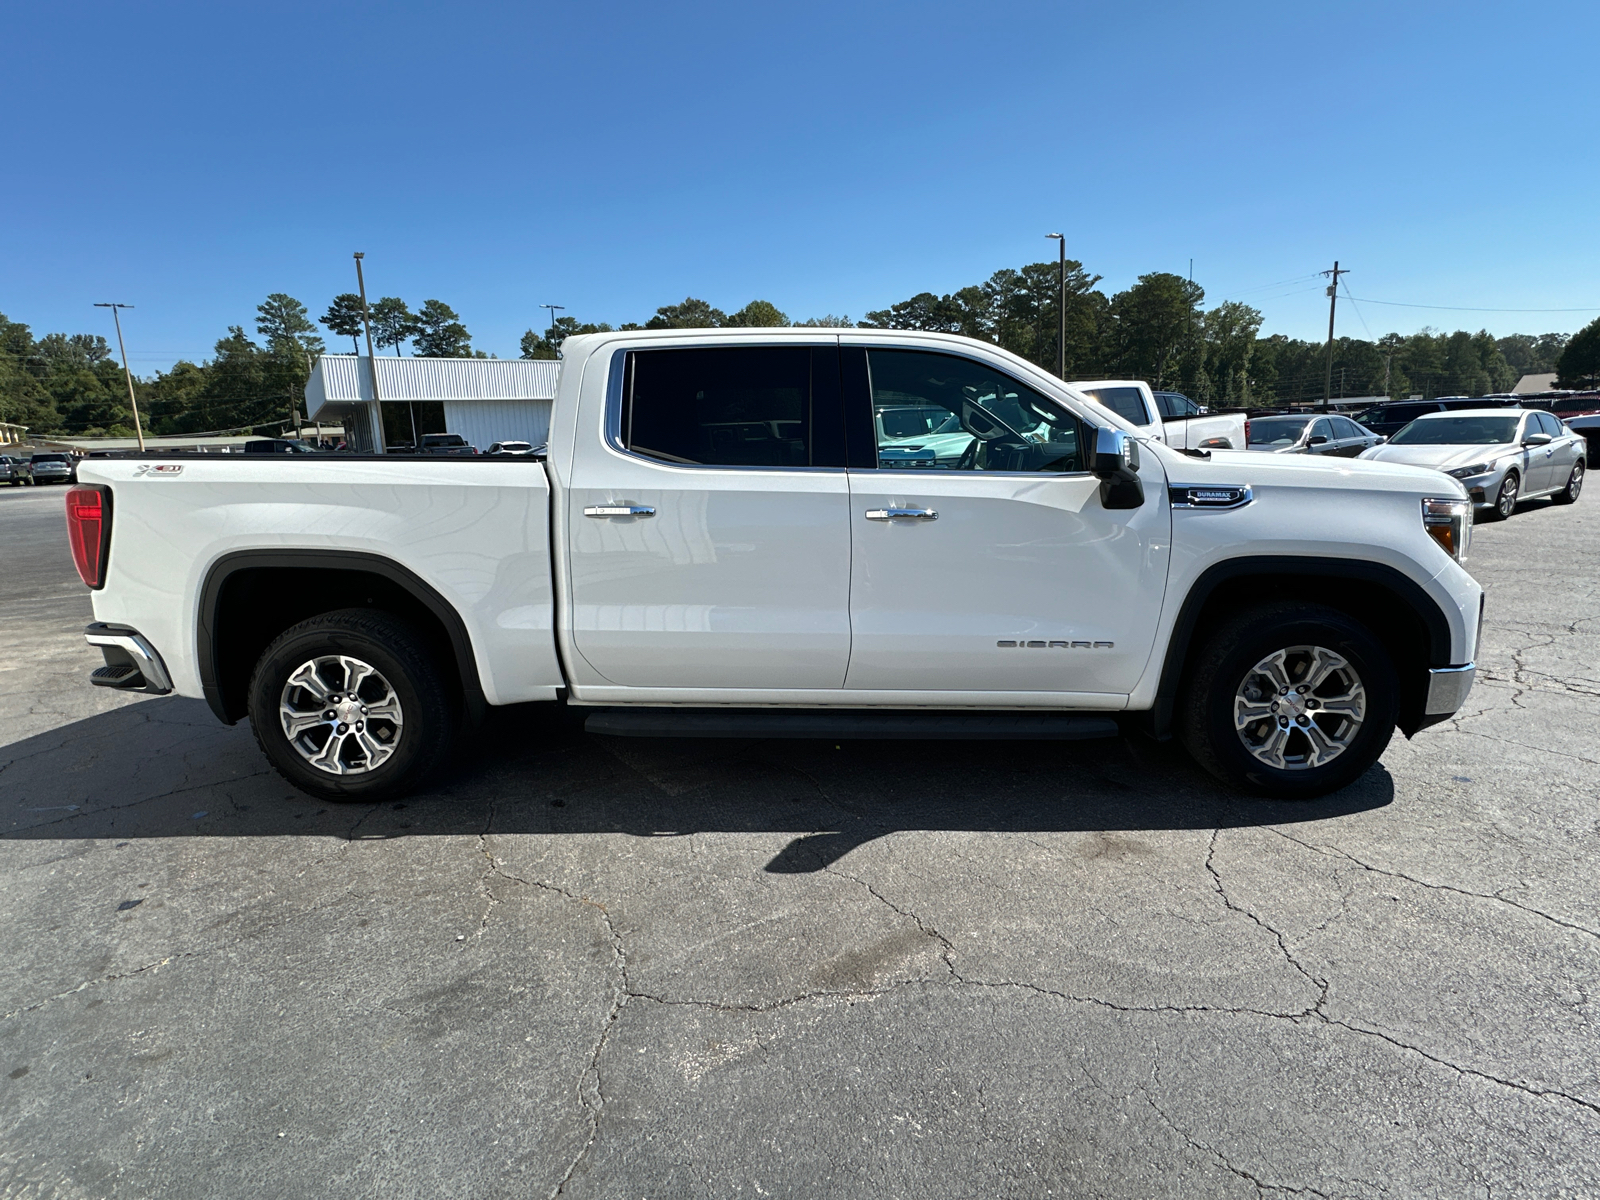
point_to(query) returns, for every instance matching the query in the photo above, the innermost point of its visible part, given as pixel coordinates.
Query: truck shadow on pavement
(164, 768)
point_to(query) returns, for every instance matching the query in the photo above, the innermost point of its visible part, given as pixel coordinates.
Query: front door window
(937, 412)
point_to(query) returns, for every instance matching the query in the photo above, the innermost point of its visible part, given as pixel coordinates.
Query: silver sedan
(1500, 455)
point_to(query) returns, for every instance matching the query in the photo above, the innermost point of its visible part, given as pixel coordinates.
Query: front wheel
(1290, 701)
(351, 705)
(1505, 501)
(1569, 494)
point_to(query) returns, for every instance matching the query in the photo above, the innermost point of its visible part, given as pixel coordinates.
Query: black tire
(412, 748)
(1222, 672)
(1505, 500)
(1569, 494)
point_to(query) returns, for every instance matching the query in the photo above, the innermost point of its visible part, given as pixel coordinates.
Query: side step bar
(850, 723)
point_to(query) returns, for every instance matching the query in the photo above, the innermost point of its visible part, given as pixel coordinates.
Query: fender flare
(207, 654)
(1422, 605)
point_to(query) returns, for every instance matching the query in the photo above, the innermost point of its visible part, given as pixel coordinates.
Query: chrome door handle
(902, 514)
(619, 510)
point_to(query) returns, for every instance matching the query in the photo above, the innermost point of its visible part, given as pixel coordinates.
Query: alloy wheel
(341, 715)
(1507, 503)
(1299, 708)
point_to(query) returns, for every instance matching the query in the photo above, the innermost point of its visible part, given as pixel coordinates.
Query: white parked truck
(1168, 417)
(725, 540)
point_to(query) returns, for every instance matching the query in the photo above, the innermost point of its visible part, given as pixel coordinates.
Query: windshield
(1457, 431)
(1277, 431)
(49, 458)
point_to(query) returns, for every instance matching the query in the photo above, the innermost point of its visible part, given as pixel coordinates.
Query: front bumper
(132, 663)
(1447, 692)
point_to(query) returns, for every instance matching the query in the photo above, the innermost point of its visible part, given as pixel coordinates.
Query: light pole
(1061, 307)
(554, 308)
(372, 361)
(138, 429)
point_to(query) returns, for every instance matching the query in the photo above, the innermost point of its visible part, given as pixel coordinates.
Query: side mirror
(1116, 465)
(1537, 439)
(1381, 439)
(1318, 440)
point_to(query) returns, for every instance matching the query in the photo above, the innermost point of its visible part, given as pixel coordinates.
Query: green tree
(1230, 332)
(394, 324)
(691, 314)
(1530, 354)
(292, 346)
(1579, 365)
(440, 333)
(345, 318)
(1153, 321)
(283, 321)
(548, 344)
(758, 314)
(828, 322)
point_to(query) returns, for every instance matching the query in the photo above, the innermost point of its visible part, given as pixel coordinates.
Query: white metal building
(485, 400)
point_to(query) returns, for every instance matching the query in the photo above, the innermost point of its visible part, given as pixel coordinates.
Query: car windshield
(49, 458)
(1457, 431)
(443, 439)
(1277, 431)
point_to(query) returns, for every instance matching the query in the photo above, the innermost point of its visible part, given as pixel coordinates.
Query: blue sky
(189, 159)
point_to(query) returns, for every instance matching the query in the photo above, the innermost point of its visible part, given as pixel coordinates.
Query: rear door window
(757, 406)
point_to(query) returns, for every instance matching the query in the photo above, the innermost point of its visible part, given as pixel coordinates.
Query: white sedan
(1500, 455)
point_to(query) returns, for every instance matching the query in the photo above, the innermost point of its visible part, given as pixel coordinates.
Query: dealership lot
(631, 968)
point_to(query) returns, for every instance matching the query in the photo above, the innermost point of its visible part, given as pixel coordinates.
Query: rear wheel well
(247, 604)
(1409, 638)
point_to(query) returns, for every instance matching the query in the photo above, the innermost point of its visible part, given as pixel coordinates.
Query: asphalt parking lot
(620, 968)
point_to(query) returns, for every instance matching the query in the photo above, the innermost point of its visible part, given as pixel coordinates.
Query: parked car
(280, 446)
(1501, 456)
(1333, 435)
(15, 471)
(515, 449)
(1177, 420)
(713, 550)
(53, 468)
(446, 443)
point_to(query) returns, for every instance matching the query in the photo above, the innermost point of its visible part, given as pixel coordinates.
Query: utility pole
(1333, 299)
(138, 429)
(554, 308)
(1061, 307)
(372, 362)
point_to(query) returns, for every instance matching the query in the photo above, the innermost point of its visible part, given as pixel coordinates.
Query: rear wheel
(351, 705)
(1289, 700)
(1569, 494)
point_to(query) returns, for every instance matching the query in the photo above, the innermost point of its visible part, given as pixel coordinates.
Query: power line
(1459, 308)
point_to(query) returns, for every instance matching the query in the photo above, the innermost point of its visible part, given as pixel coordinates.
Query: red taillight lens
(88, 531)
(1246, 445)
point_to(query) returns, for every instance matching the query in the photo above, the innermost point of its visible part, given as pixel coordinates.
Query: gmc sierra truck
(792, 533)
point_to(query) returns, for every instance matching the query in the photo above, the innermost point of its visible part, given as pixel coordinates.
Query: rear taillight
(1246, 433)
(89, 531)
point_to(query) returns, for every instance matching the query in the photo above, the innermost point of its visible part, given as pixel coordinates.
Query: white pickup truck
(1169, 417)
(726, 541)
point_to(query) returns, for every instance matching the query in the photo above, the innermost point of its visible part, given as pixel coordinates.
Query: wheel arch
(1409, 622)
(251, 596)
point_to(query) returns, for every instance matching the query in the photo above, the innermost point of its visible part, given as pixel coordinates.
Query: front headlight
(1449, 522)
(1468, 472)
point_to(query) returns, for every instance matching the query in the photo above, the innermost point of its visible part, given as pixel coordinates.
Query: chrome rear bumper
(132, 663)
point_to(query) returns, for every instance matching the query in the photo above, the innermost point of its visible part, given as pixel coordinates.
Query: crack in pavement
(591, 1093)
(1262, 1186)
(1283, 945)
(1342, 854)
